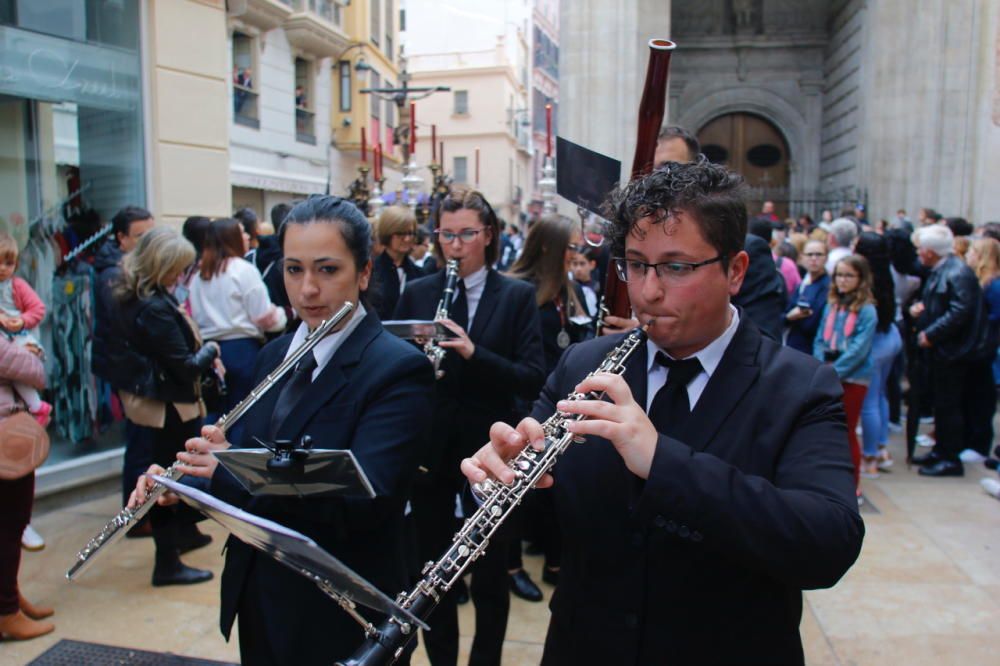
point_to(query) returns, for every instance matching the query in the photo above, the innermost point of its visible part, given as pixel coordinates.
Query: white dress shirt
(474, 285)
(328, 346)
(710, 357)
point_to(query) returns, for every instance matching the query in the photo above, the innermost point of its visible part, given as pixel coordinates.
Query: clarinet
(434, 352)
(116, 528)
(386, 644)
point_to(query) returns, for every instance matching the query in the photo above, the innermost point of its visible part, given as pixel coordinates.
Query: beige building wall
(494, 94)
(188, 104)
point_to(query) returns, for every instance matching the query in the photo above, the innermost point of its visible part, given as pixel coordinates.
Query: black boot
(189, 538)
(523, 587)
(169, 570)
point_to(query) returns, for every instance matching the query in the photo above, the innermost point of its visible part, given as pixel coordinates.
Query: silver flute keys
(116, 528)
(497, 501)
(434, 352)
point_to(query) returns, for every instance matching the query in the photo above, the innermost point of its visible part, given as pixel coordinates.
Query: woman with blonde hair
(983, 258)
(393, 268)
(162, 349)
(845, 339)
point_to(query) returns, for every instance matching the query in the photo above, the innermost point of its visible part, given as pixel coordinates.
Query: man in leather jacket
(952, 322)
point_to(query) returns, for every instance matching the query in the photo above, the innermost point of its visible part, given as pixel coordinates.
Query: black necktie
(293, 391)
(670, 408)
(460, 307)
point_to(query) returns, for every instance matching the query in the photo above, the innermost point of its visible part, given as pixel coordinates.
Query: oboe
(434, 352)
(386, 643)
(116, 528)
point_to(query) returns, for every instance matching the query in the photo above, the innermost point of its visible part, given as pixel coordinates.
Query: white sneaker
(926, 420)
(925, 441)
(895, 427)
(991, 486)
(971, 456)
(31, 540)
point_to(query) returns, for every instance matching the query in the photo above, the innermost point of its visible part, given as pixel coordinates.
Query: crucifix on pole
(400, 96)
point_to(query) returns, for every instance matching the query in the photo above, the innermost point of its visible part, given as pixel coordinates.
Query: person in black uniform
(545, 262)
(360, 388)
(495, 357)
(393, 270)
(716, 482)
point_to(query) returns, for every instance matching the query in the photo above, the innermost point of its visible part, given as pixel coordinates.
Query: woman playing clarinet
(495, 357)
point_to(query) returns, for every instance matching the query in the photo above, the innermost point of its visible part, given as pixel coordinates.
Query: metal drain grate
(80, 653)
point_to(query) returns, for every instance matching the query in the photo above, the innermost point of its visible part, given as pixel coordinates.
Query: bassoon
(651, 110)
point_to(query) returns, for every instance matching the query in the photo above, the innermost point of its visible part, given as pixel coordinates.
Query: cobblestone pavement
(926, 589)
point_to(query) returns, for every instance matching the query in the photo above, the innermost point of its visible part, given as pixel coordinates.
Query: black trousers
(166, 442)
(433, 507)
(16, 498)
(964, 402)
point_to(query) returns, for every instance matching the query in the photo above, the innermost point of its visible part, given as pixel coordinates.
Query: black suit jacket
(373, 397)
(705, 562)
(385, 283)
(508, 363)
(763, 293)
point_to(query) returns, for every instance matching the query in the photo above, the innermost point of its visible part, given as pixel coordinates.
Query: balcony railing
(328, 9)
(305, 123)
(245, 106)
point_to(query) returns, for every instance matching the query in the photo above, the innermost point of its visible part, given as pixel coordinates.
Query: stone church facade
(819, 103)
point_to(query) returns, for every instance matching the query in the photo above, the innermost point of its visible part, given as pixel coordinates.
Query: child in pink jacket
(21, 311)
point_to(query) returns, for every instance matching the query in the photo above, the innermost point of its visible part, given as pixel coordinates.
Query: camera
(831, 355)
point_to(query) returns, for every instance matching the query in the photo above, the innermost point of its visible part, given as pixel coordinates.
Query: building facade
(478, 121)
(480, 49)
(819, 103)
(544, 84)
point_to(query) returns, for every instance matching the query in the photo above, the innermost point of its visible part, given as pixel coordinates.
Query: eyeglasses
(465, 235)
(672, 271)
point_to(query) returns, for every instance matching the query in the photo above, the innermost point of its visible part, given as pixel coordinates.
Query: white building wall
(270, 158)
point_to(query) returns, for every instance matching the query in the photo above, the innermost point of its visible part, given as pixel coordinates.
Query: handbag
(24, 446)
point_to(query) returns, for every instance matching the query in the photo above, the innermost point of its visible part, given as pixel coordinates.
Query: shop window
(305, 117)
(345, 85)
(461, 102)
(245, 102)
(460, 170)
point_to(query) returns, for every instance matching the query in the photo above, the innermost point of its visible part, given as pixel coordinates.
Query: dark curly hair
(710, 193)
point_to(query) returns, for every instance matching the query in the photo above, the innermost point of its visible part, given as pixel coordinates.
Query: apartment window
(460, 170)
(328, 9)
(345, 85)
(244, 81)
(461, 102)
(388, 29)
(305, 117)
(375, 9)
(390, 117)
